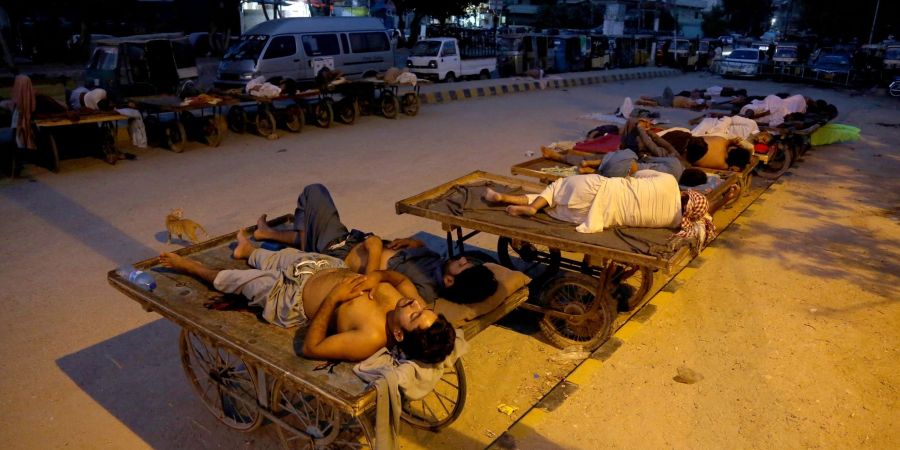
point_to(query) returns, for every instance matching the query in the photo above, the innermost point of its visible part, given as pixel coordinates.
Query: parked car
(832, 67)
(300, 48)
(744, 62)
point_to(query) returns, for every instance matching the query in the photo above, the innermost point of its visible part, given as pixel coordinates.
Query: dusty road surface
(792, 319)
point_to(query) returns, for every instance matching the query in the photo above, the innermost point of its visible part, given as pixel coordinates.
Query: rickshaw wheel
(575, 293)
(176, 137)
(443, 405)
(237, 119)
(211, 132)
(410, 104)
(316, 424)
(348, 111)
(511, 251)
(265, 123)
(293, 118)
(324, 114)
(390, 106)
(217, 375)
(778, 163)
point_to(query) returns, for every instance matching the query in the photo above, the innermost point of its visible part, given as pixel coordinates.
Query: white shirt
(647, 199)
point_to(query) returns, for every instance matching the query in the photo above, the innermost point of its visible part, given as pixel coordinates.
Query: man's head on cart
(466, 282)
(422, 334)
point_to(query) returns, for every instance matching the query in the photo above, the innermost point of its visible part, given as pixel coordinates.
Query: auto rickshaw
(148, 64)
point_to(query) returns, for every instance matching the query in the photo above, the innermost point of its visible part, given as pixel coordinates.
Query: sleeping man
(349, 316)
(318, 228)
(647, 199)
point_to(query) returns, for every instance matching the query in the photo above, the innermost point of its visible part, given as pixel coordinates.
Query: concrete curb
(515, 86)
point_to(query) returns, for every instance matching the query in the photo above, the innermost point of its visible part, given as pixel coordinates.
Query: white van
(299, 48)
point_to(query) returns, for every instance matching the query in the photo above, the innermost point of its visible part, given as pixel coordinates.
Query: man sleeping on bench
(318, 228)
(349, 316)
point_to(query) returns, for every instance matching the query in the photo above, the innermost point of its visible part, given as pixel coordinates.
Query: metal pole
(874, 19)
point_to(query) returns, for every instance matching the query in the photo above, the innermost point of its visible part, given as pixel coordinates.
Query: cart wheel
(293, 118)
(630, 285)
(311, 423)
(52, 154)
(176, 138)
(348, 111)
(778, 164)
(410, 104)
(225, 383)
(237, 119)
(211, 132)
(442, 405)
(265, 123)
(575, 293)
(324, 114)
(525, 256)
(390, 106)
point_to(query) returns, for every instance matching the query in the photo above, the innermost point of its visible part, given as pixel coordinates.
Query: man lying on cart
(349, 316)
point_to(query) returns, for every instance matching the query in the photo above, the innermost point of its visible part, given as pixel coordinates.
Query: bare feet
(493, 196)
(263, 230)
(521, 210)
(554, 155)
(244, 246)
(177, 262)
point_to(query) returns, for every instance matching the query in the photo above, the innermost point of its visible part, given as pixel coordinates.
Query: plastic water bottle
(140, 278)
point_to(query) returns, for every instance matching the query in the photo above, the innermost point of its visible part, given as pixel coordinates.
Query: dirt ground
(792, 320)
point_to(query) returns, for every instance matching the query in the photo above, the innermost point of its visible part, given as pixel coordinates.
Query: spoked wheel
(324, 114)
(779, 162)
(225, 383)
(575, 294)
(211, 133)
(293, 118)
(348, 111)
(390, 106)
(265, 123)
(525, 256)
(630, 284)
(237, 119)
(442, 405)
(312, 423)
(410, 104)
(176, 137)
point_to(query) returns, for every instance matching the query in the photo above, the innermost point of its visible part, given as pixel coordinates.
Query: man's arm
(352, 345)
(399, 244)
(374, 247)
(400, 282)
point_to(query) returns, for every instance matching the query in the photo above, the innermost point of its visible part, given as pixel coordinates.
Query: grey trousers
(276, 282)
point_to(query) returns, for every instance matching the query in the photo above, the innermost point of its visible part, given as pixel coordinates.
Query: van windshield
(249, 47)
(426, 48)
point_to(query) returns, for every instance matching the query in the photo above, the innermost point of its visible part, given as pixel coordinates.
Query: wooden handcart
(47, 125)
(246, 371)
(195, 120)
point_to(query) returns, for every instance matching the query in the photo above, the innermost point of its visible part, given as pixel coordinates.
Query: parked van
(300, 48)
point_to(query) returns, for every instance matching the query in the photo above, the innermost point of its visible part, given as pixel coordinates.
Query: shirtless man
(318, 228)
(350, 316)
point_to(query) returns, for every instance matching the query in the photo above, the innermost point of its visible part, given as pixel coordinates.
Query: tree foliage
(579, 15)
(714, 23)
(740, 16)
(840, 19)
(440, 10)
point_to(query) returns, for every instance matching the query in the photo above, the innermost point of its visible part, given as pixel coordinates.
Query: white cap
(92, 98)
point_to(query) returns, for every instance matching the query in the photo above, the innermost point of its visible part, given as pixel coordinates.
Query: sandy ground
(793, 321)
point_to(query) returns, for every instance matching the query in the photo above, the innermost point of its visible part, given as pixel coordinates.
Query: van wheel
(450, 77)
(484, 75)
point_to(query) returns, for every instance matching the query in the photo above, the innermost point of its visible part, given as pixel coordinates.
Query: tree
(748, 17)
(714, 24)
(844, 20)
(440, 10)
